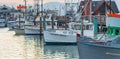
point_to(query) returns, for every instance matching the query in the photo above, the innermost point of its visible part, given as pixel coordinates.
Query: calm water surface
(32, 47)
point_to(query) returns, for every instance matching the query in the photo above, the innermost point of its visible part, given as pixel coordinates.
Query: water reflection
(32, 47)
(60, 52)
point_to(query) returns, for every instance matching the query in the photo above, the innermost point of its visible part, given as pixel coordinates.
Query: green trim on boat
(113, 31)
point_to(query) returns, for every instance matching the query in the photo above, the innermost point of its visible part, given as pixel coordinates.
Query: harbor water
(32, 47)
(95, 52)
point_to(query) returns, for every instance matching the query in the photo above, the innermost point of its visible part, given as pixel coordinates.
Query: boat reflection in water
(61, 52)
(34, 47)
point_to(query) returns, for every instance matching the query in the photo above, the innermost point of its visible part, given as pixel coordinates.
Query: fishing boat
(107, 45)
(74, 28)
(2, 21)
(33, 27)
(10, 22)
(20, 21)
(19, 26)
(68, 36)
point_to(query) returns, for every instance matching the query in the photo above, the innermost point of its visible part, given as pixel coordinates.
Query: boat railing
(101, 21)
(101, 18)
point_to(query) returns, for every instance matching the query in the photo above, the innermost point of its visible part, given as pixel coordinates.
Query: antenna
(110, 6)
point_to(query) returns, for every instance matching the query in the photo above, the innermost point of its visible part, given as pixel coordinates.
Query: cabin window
(77, 27)
(87, 27)
(83, 27)
(53, 23)
(72, 27)
(117, 32)
(48, 23)
(64, 32)
(70, 32)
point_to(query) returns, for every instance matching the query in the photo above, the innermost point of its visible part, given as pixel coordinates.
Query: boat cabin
(113, 24)
(78, 26)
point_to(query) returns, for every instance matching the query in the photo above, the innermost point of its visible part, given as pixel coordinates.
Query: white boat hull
(19, 31)
(10, 28)
(59, 38)
(64, 36)
(32, 31)
(10, 25)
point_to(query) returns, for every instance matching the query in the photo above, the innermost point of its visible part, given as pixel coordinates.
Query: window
(117, 32)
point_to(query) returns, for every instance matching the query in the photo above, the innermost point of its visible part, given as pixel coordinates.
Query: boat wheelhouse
(33, 27)
(63, 36)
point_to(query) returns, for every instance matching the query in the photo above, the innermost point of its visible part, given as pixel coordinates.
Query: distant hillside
(1, 4)
(54, 5)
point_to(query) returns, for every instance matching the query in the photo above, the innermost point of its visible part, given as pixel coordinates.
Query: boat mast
(41, 18)
(65, 15)
(110, 6)
(25, 10)
(36, 5)
(19, 20)
(82, 33)
(87, 6)
(90, 1)
(19, 8)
